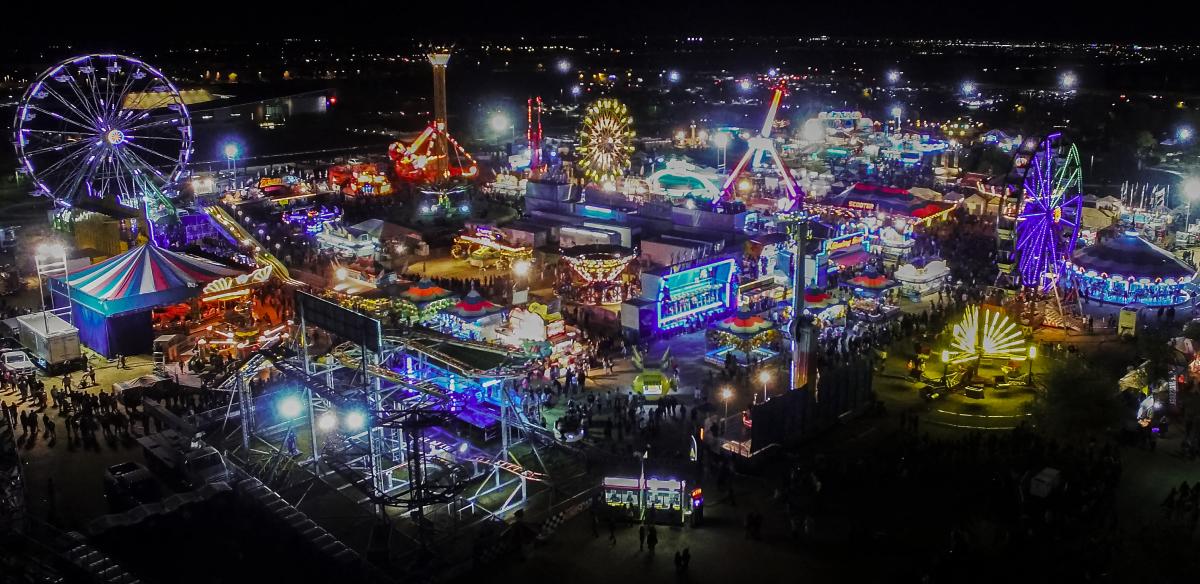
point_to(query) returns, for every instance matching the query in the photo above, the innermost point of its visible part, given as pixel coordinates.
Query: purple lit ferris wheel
(103, 127)
(1051, 212)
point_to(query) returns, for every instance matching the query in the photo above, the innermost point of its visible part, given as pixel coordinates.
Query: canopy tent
(111, 301)
(473, 307)
(870, 282)
(425, 292)
(743, 324)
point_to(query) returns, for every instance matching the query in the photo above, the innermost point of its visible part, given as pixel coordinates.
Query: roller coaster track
(235, 231)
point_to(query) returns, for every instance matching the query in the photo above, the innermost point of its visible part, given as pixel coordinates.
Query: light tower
(439, 59)
(533, 131)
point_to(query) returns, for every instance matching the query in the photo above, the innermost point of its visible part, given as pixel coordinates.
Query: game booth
(537, 331)
(742, 339)
(598, 274)
(682, 296)
(112, 302)
(473, 318)
(661, 491)
(1127, 268)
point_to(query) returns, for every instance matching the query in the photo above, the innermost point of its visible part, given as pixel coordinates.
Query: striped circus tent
(744, 324)
(425, 292)
(111, 301)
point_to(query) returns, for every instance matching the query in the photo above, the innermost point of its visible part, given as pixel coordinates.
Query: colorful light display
(1048, 225)
(993, 335)
(605, 141)
(312, 219)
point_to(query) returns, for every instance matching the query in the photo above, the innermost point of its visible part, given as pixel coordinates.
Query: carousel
(1126, 269)
(598, 274)
(869, 300)
(742, 340)
(473, 318)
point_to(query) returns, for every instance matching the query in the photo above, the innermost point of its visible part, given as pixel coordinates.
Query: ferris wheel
(605, 141)
(1051, 213)
(103, 127)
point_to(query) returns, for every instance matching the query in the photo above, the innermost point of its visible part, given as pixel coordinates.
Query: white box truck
(51, 341)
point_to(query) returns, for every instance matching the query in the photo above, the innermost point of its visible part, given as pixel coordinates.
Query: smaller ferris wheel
(103, 127)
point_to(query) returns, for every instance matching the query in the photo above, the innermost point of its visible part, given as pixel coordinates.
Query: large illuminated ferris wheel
(103, 127)
(605, 141)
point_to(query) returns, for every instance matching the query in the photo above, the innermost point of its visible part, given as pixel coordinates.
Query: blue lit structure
(1127, 269)
(690, 293)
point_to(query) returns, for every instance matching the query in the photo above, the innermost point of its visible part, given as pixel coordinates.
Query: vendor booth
(919, 278)
(111, 302)
(1126, 269)
(472, 318)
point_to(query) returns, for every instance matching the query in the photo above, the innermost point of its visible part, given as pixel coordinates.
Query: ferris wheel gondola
(103, 127)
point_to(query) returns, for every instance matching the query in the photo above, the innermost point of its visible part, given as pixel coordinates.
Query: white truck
(18, 362)
(52, 342)
(173, 456)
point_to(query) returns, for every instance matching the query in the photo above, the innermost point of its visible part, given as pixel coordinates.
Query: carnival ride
(486, 248)
(104, 127)
(762, 146)
(1051, 211)
(605, 141)
(991, 335)
(680, 180)
(596, 274)
(427, 161)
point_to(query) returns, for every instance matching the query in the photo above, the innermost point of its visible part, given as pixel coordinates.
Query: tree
(1080, 400)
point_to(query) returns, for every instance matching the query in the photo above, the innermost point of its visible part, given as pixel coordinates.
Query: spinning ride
(101, 126)
(991, 335)
(1051, 212)
(597, 273)
(605, 141)
(762, 146)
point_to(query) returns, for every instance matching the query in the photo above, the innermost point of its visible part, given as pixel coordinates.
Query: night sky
(1146, 22)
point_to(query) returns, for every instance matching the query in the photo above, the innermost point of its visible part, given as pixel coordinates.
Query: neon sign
(844, 242)
(861, 205)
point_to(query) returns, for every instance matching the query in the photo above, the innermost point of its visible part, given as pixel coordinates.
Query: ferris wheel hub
(114, 137)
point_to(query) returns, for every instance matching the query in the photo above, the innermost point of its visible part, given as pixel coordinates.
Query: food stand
(472, 318)
(919, 278)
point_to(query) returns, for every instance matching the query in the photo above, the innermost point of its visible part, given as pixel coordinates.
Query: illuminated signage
(861, 205)
(269, 182)
(844, 242)
(840, 115)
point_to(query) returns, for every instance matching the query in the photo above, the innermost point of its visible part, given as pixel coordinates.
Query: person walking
(652, 539)
(641, 537)
(612, 532)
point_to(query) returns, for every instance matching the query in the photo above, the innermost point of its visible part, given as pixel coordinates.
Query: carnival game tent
(112, 300)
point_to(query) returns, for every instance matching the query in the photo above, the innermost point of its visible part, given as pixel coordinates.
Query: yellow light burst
(605, 141)
(1000, 337)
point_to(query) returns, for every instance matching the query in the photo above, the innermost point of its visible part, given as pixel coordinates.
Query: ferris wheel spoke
(133, 161)
(45, 172)
(87, 102)
(154, 152)
(83, 119)
(57, 147)
(153, 124)
(119, 98)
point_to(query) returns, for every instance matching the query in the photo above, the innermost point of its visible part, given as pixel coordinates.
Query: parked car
(18, 362)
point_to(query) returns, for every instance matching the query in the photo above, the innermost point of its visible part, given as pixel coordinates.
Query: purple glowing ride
(1051, 211)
